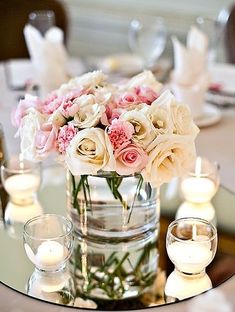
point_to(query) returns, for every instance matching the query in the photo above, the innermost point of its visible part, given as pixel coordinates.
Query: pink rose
(130, 159)
(45, 140)
(66, 134)
(52, 102)
(127, 99)
(22, 108)
(146, 95)
(120, 132)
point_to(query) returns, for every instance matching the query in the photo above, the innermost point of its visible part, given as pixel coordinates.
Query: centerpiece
(118, 142)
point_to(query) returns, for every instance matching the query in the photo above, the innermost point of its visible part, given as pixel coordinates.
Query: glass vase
(116, 220)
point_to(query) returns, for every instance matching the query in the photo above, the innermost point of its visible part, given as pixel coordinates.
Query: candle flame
(198, 166)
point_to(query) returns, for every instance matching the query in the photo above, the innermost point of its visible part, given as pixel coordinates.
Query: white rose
(182, 120)
(169, 156)
(57, 119)
(90, 151)
(29, 126)
(144, 133)
(89, 112)
(146, 78)
(86, 81)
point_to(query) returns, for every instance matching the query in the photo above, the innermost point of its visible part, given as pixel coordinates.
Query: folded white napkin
(49, 57)
(190, 78)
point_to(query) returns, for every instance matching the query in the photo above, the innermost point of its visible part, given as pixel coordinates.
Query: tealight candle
(191, 256)
(50, 254)
(22, 185)
(200, 186)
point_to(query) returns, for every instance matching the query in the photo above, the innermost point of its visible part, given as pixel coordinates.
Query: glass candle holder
(21, 180)
(42, 20)
(198, 187)
(191, 245)
(48, 241)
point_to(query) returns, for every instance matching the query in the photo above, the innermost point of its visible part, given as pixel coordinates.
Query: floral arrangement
(129, 127)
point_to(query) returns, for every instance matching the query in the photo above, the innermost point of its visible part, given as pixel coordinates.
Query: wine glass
(42, 20)
(148, 40)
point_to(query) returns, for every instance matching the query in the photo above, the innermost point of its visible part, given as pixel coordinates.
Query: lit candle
(198, 188)
(50, 255)
(190, 256)
(22, 185)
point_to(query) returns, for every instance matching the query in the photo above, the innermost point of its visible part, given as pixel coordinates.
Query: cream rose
(143, 129)
(86, 81)
(169, 156)
(89, 112)
(146, 78)
(182, 120)
(90, 151)
(30, 125)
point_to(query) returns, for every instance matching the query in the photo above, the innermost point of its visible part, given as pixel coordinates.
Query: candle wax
(22, 185)
(198, 189)
(50, 255)
(190, 256)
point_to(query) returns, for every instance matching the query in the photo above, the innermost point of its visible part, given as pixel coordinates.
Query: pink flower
(22, 108)
(66, 134)
(109, 115)
(52, 102)
(120, 132)
(45, 141)
(127, 99)
(146, 95)
(68, 107)
(130, 159)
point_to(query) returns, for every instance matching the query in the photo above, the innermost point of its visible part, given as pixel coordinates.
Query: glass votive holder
(191, 246)
(21, 179)
(201, 183)
(57, 287)
(48, 241)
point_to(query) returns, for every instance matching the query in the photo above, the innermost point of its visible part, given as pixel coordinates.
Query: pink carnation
(146, 95)
(68, 107)
(52, 102)
(130, 159)
(119, 132)
(65, 135)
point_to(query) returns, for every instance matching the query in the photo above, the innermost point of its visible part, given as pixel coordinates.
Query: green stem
(139, 185)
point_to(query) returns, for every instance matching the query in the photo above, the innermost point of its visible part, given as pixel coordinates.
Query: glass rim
(41, 13)
(44, 216)
(197, 220)
(33, 166)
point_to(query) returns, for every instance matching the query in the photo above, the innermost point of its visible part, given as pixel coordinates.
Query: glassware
(198, 187)
(56, 287)
(214, 31)
(148, 40)
(42, 20)
(48, 241)
(191, 245)
(116, 219)
(21, 179)
(3, 156)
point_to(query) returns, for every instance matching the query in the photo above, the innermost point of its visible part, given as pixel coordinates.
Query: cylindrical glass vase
(116, 219)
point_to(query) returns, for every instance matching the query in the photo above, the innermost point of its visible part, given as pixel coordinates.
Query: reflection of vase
(117, 222)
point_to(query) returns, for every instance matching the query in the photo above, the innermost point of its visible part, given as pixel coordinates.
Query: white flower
(57, 119)
(169, 156)
(146, 78)
(144, 133)
(89, 112)
(29, 127)
(86, 81)
(81, 303)
(90, 151)
(182, 120)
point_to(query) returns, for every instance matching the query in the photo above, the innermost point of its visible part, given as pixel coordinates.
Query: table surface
(221, 148)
